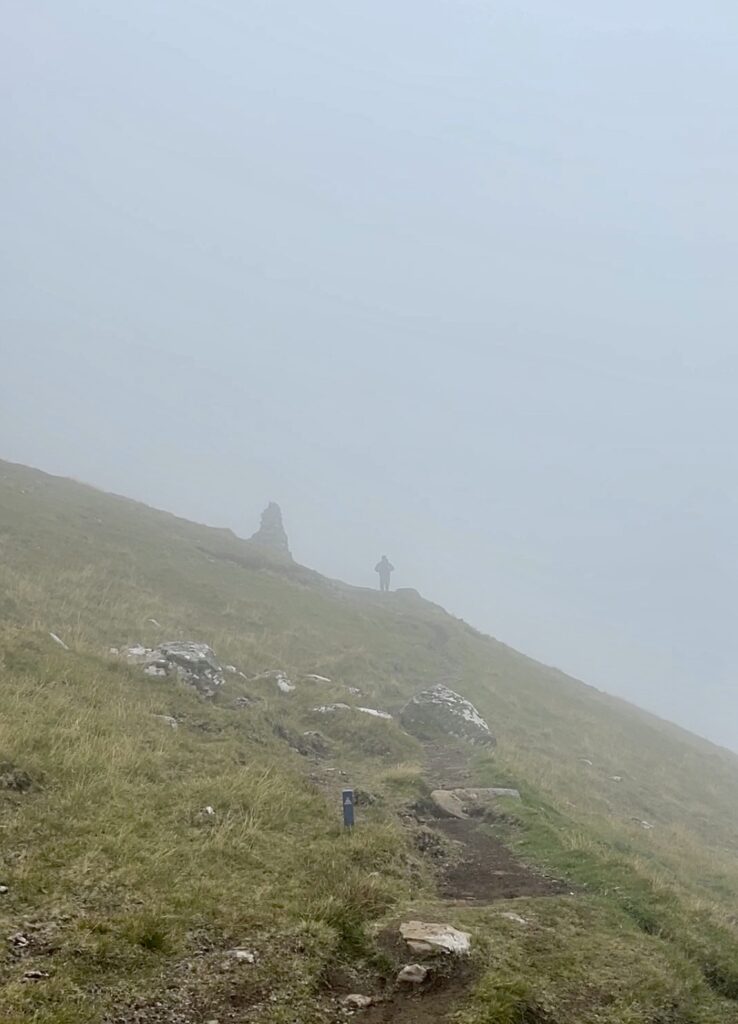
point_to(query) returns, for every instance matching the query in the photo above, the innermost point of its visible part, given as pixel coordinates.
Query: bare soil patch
(486, 870)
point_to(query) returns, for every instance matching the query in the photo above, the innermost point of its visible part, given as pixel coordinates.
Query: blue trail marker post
(348, 808)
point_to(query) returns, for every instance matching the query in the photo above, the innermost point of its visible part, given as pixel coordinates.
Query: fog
(450, 281)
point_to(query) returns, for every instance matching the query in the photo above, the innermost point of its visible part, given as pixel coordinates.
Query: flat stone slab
(460, 803)
(423, 937)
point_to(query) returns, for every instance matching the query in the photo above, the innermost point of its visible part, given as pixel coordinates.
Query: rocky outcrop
(193, 663)
(271, 535)
(440, 710)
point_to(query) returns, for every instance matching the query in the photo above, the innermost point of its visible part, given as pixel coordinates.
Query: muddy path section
(486, 870)
(431, 1007)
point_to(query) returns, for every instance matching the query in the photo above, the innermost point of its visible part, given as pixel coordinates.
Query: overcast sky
(452, 280)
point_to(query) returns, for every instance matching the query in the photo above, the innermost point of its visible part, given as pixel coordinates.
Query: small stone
(510, 916)
(19, 940)
(36, 975)
(208, 811)
(114, 650)
(616, 778)
(246, 956)
(315, 678)
(58, 640)
(585, 760)
(356, 1002)
(154, 623)
(168, 720)
(329, 709)
(413, 974)
(448, 803)
(3, 890)
(155, 670)
(284, 684)
(232, 669)
(376, 713)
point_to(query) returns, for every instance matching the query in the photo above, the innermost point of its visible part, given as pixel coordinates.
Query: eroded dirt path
(485, 870)
(481, 871)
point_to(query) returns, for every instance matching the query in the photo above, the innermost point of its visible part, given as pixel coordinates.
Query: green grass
(130, 894)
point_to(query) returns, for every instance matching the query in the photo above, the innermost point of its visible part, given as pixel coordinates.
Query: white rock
(4, 889)
(113, 650)
(208, 811)
(136, 652)
(284, 685)
(616, 778)
(58, 640)
(413, 974)
(585, 760)
(354, 691)
(510, 916)
(375, 713)
(232, 669)
(435, 938)
(246, 956)
(327, 709)
(154, 623)
(35, 976)
(155, 670)
(356, 1002)
(314, 678)
(168, 720)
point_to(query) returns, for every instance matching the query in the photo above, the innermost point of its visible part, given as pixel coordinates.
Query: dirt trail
(486, 870)
(481, 872)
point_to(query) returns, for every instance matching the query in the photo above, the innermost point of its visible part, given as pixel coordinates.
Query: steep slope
(128, 894)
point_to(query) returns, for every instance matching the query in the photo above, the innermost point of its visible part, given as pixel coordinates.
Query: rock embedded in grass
(244, 956)
(423, 937)
(355, 1001)
(168, 720)
(192, 662)
(464, 803)
(14, 778)
(328, 709)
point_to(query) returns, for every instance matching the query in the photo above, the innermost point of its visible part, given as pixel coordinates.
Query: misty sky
(452, 280)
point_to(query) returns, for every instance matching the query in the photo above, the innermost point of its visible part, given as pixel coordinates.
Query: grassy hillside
(128, 895)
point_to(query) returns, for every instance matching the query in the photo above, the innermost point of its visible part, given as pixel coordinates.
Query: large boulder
(440, 710)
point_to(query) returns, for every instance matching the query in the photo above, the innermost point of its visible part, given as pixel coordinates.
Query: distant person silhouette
(384, 567)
